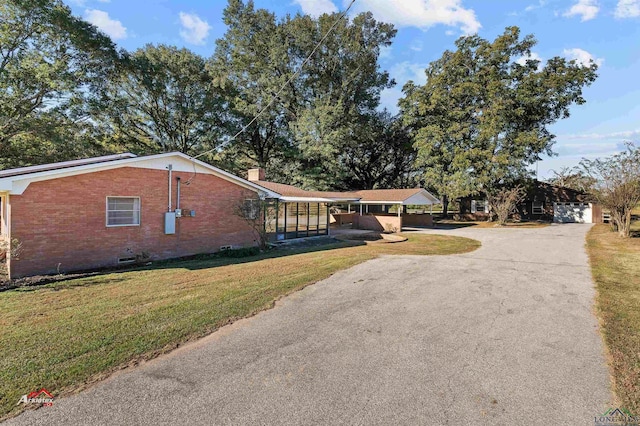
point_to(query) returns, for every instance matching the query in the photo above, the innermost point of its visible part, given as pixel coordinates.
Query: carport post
(399, 209)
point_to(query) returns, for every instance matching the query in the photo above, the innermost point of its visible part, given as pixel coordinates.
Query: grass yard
(615, 264)
(65, 335)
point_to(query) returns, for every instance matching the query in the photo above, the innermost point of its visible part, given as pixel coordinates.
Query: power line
(295, 74)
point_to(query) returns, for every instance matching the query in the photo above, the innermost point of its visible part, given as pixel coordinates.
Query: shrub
(241, 252)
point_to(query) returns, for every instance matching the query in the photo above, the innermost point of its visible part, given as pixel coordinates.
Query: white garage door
(572, 213)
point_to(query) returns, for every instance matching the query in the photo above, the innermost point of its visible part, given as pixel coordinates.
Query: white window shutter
(486, 206)
(473, 206)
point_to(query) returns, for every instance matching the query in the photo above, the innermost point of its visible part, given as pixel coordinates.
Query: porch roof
(409, 196)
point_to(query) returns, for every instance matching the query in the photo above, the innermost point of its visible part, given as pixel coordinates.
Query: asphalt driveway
(503, 335)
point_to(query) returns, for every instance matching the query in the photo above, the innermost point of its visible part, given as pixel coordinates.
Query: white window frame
(541, 207)
(121, 225)
(474, 206)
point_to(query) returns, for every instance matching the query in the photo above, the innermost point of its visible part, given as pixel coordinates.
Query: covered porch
(387, 210)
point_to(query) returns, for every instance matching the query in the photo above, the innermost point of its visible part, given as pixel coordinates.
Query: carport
(374, 209)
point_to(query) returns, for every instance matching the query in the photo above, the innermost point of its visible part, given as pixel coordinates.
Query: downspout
(170, 168)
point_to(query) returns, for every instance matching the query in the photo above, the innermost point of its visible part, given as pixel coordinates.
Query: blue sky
(606, 31)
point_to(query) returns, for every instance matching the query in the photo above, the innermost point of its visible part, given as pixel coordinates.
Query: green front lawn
(65, 335)
(615, 264)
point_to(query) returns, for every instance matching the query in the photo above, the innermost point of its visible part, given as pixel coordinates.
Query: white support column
(349, 207)
(360, 209)
(367, 208)
(399, 209)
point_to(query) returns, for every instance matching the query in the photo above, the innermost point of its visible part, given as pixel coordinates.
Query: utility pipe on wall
(178, 193)
(170, 168)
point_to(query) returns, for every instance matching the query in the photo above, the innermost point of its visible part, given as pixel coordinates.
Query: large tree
(163, 100)
(483, 115)
(381, 155)
(300, 136)
(49, 61)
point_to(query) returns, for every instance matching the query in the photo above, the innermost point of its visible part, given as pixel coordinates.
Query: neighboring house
(105, 211)
(543, 201)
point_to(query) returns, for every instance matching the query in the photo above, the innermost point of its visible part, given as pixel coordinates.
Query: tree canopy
(319, 105)
(49, 61)
(163, 100)
(298, 95)
(483, 114)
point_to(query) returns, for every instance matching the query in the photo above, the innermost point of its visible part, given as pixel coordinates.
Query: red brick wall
(377, 222)
(415, 219)
(61, 222)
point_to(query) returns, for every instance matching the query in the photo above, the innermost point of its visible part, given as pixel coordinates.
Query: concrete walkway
(501, 336)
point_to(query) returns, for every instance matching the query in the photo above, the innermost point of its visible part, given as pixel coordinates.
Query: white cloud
(316, 8)
(532, 7)
(627, 9)
(582, 57)
(402, 73)
(523, 60)
(194, 30)
(625, 135)
(422, 14)
(389, 99)
(586, 9)
(113, 28)
(416, 46)
(386, 52)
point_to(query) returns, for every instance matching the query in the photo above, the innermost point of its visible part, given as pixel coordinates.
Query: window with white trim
(479, 206)
(123, 211)
(537, 207)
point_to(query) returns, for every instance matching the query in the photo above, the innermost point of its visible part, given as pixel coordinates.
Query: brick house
(106, 211)
(543, 201)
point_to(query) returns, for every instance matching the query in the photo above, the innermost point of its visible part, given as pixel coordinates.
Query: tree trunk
(624, 225)
(445, 206)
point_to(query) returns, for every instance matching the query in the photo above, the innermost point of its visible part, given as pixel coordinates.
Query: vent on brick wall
(125, 260)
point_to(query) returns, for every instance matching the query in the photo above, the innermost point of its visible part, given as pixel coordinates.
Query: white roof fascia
(379, 202)
(18, 184)
(65, 164)
(306, 200)
(421, 198)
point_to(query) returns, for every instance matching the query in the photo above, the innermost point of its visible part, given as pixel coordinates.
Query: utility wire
(295, 74)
